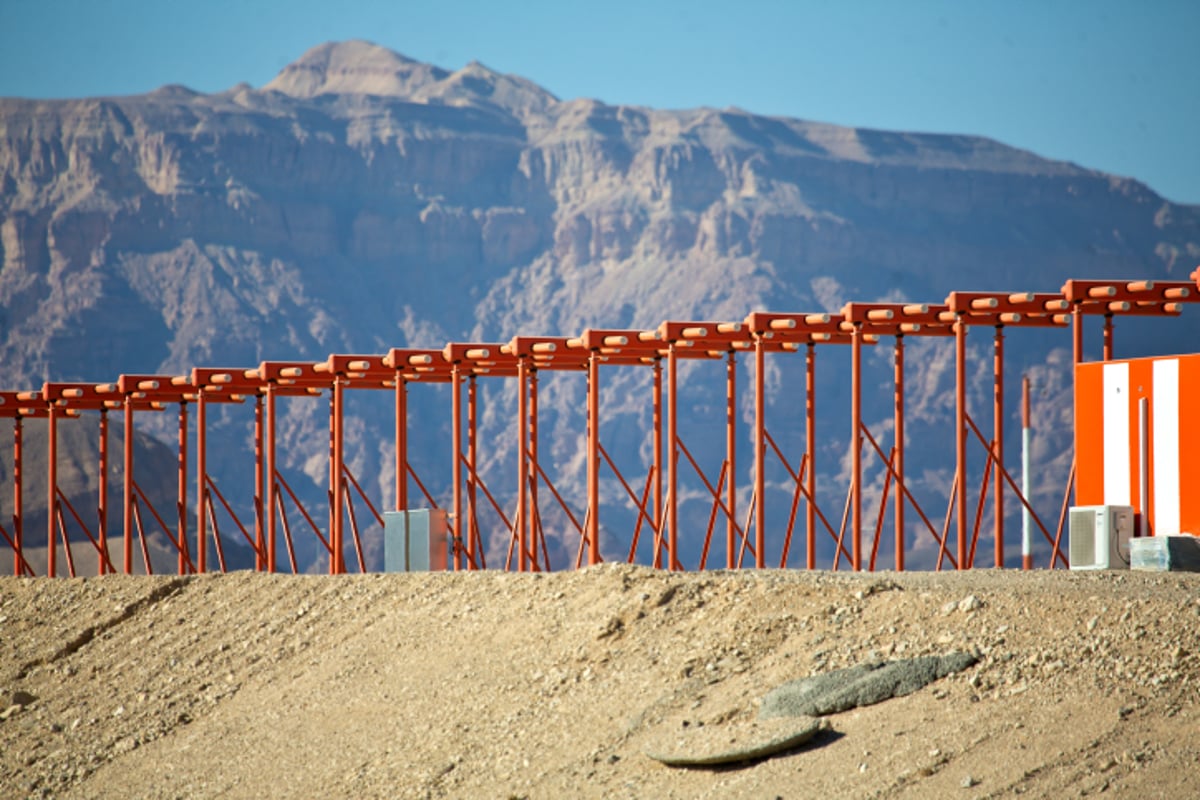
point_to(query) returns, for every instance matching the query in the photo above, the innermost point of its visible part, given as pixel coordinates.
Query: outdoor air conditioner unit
(1099, 537)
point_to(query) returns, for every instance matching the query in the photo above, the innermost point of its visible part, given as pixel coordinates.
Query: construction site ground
(556, 685)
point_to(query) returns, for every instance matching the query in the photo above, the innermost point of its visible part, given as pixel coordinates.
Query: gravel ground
(548, 686)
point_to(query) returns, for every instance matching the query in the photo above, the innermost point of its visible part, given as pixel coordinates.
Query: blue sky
(1110, 85)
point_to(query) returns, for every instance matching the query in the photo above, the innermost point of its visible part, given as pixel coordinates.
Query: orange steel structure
(461, 364)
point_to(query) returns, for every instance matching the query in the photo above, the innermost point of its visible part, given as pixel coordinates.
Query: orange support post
(272, 480)
(658, 465)
(760, 445)
(855, 446)
(52, 491)
(522, 464)
(731, 457)
(593, 456)
(898, 449)
(181, 489)
(1108, 337)
(810, 436)
(337, 478)
(960, 436)
(401, 389)
(998, 438)
(672, 456)
(202, 496)
(533, 527)
(127, 544)
(1026, 527)
(472, 538)
(456, 444)
(260, 532)
(102, 495)
(18, 496)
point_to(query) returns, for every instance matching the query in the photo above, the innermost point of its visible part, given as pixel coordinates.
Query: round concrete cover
(732, 742)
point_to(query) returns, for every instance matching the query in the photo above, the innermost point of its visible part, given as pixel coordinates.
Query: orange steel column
(810, 435)
(1026, 522)
(337, 563)
(855, 445)
(456, 444)
(472, 473)
(960, 434)
(272, 471)
(899, 467)
(260, 533)
(658, 465)
(201, 485)
(998, 436)
(672, 456)
(401, 442)
(1108, 337)
(731, 457)
(182, 488)
(127, 544)
(593, 457)
(18, 495)
(760, 445)
(52, 490)
(522, 465)
(532, 466)
(102, 492)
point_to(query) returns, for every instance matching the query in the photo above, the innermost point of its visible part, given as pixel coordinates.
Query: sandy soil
(503, 685)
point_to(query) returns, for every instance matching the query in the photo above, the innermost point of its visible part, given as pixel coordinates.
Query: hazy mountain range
(362, 200)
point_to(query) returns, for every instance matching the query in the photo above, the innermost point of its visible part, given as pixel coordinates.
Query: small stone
(970, 603)
(969, 781)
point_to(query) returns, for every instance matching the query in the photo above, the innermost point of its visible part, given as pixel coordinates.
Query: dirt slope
(500, 685)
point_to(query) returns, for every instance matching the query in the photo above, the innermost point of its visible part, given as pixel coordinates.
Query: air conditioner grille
(1083, 537)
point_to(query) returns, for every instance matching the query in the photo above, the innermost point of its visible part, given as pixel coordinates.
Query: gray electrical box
(415, 540)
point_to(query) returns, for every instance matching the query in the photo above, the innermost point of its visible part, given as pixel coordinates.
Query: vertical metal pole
(760, 448)
(472, 473)
(533, 465)
(672, 456)
(1026, 517)
(52, 492)
(658, 462)
(401, 442)
(201, 482)
(260, 532)
(127, 544)
(731, 457)
(182, 490)
(998, 437)
(456, 444)
(18, 495)
(522, 465)
(338, 562)
(102, 492)
(272, 473)
(899, 426)
(810, 435)
(960, 435)
(855, 445)
(1108, 337)
(593, 456)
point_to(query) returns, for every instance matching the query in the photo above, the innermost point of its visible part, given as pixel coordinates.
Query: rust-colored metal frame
(461, 365)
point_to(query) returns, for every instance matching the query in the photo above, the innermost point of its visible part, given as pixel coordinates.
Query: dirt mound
(503, 685)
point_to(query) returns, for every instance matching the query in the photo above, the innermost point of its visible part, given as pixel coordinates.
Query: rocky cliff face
(361, 201)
